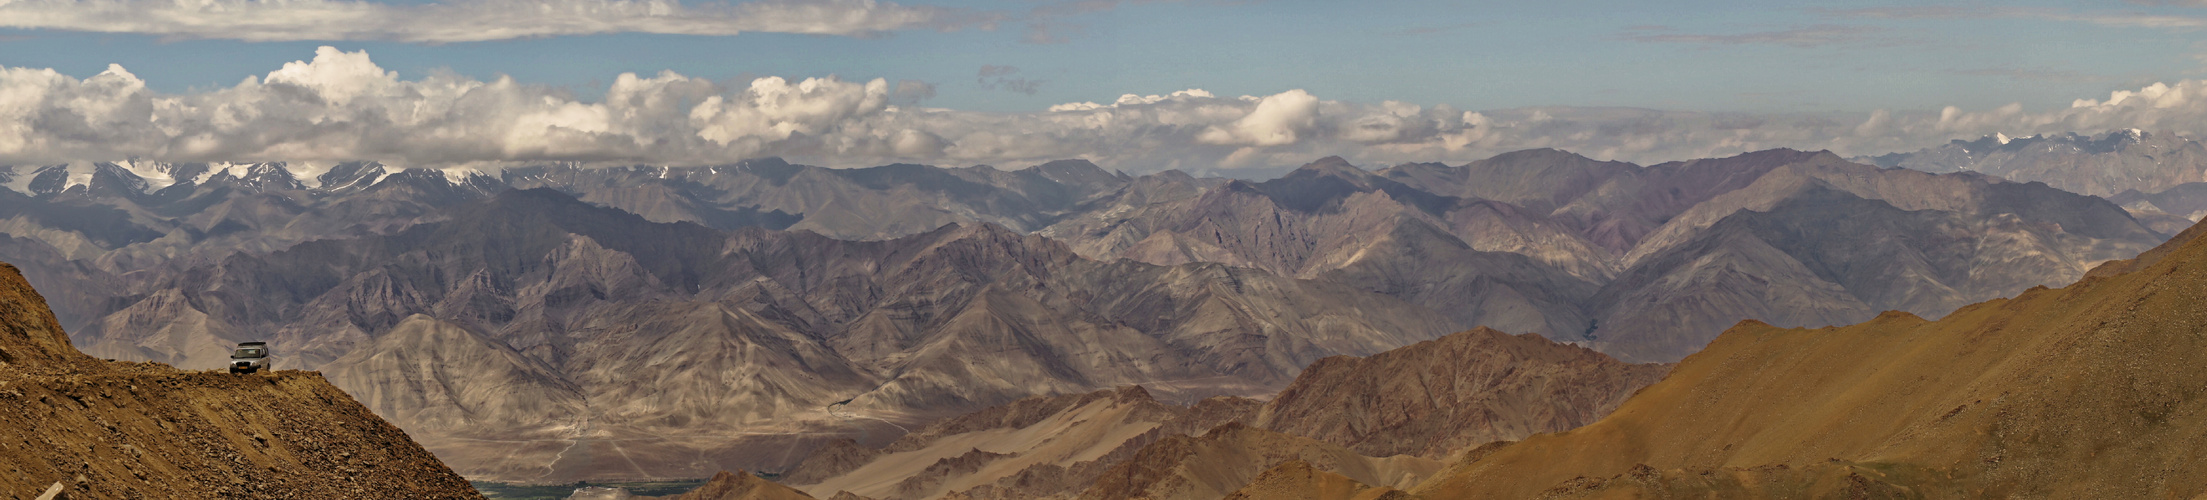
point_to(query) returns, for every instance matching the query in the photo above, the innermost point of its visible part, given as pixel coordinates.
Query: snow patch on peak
(2003, 138)
(80, 174)
(156, 174)
(20, 180)
(457, 176)
(389, 171)
(308, 173)
(235, 170)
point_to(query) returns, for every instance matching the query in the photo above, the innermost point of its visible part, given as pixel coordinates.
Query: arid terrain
(108, 429)
(1102, 250)
(2080, 391)
(1387, 420)
(556, 323)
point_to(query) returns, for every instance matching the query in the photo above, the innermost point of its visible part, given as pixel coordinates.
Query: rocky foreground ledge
(104, 429)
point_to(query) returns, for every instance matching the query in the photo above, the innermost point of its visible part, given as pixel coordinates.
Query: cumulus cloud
(469, 20)
(342, 106)
(1278, 120)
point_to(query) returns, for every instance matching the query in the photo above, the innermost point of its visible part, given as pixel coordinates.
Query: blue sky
(1775, 60)
(1475, 55)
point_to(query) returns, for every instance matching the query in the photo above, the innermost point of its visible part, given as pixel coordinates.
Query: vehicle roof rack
(252, 343)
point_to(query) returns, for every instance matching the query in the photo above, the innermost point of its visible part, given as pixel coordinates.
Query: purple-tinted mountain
(2099, 165)
(530, 317)
(1646, 263)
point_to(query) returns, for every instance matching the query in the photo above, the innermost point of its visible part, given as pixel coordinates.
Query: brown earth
(741, 485)
(1032, 448)
(1430, 399)
(1299, 480)
(2089, 391)
(1231, 456)
(1435, 397)
(147, 430)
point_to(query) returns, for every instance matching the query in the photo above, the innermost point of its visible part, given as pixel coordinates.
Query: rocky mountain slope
(2170, 210)
(1426, 401)
(1984, 402)
(1441, 396)
(531, 336)
(863, 203)
(1646, 263)
(2098, 165)
(104, 429)
(534, 337)
(1537, 241)
(741, 486)
(1032, 448)
(1230, 456)
(91, 225)
(1299, 480)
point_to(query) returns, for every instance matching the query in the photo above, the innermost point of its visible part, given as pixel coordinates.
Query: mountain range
(2107, 164)
(531, 316)
(1985, 402)
(1645, 263)
(555, 323)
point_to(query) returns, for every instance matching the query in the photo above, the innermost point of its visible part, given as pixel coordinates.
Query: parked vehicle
(250, 357)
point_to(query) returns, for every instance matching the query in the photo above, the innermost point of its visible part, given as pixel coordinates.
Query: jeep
(250, 357)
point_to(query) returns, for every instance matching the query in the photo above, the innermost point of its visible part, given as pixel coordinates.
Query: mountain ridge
(1996, 416)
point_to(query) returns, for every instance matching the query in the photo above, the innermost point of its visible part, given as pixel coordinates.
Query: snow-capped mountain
(2103, 165)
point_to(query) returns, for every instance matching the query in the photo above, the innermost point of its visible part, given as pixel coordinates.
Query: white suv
(250, 357)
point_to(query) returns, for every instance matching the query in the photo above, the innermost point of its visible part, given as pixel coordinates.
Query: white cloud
(774, 110)
(467, 20)
(342, 106)
(1278, 120)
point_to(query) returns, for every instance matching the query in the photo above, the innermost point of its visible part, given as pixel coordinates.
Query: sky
(1201, 85)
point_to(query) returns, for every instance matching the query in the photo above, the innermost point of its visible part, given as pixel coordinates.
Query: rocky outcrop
(1298, 480)
(1440, 396)
(742, 485)
(98, 429)
(836, 458)
(31, 340)
(931, 478)
(1231, 456)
